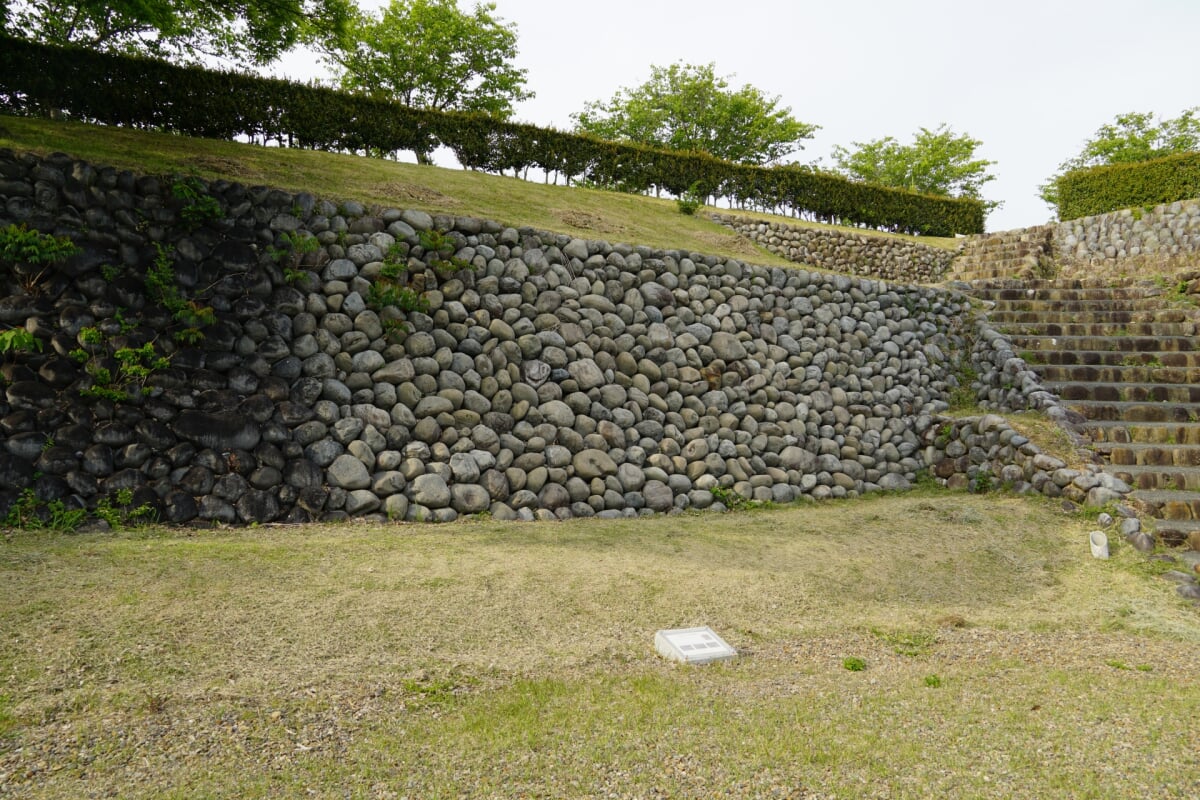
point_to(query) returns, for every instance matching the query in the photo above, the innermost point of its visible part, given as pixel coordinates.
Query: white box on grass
(692, 645)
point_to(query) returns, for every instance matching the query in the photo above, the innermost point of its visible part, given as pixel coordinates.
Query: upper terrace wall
(1160, 240)
(874, 256)
(1122, 244)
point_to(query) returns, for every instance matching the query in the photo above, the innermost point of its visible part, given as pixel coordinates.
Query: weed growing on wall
(115, 371)
(962, 396)
(161, 284)
(119, 512)
(20, 246)
(293, 250)
(28, 254)
(198, 205)
(18, 340)
(30, 512)
(392, 288)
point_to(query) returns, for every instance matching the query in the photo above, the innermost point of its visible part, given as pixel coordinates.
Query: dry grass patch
(408, 193)
(488, 659)
(1049, 436)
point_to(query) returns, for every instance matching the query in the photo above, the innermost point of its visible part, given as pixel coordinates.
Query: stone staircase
(1026, 254)
(1126, 357)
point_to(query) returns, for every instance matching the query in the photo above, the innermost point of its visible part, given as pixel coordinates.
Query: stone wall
(1026, 253)
(546, 376)
(880, 257)
(1162, 240)
(984, 452)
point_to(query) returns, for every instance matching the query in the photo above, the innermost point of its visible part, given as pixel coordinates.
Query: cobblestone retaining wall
(881, 257)
(544, 377)
(1122, 244)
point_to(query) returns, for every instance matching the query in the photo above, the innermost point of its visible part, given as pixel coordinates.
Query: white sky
(1032, 79)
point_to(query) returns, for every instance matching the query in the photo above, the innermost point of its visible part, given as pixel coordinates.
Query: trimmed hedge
(1099, 190)
(37, 79)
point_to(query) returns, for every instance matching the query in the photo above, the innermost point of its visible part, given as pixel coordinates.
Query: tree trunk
(423, 157)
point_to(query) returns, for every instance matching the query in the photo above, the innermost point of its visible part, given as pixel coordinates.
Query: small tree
(429, 54)
(686, 107)
(1130, 138)
(939, 161)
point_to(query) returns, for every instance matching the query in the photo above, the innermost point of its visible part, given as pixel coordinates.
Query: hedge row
(144, 93)
(1099, 190)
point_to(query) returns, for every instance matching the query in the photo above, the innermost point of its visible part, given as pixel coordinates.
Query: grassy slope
(489, 659)
(587, 213)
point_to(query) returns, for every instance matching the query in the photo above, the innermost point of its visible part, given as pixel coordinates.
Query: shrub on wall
(1099, 190)
(144, 93)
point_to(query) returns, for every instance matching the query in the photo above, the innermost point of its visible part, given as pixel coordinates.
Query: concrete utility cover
(692, 645)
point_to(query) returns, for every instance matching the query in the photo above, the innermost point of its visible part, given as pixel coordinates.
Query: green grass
(488, 659)
(588, 213)
(495, 659)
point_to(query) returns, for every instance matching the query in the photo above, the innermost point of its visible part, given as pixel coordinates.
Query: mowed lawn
(486, 659)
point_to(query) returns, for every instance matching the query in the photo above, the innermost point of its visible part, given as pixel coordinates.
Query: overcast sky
(1032, 80)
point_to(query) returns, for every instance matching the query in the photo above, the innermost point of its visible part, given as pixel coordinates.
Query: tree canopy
(938, 161)
(1128, 139)
(429, 54)
(687, 107)
(254, 31)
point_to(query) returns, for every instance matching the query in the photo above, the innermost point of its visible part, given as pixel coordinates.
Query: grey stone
(468, 498)
(632, 477)
(658, 496)
(418, 220)
(894, 482)
(348, 472)
(593, 463)
(465, 469)
(558, 413)
(430, 491)
(727, 347)
(361, 501)
(395, 506)
(586, 373)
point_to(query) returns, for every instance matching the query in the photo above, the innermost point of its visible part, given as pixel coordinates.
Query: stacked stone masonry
(1162, 240)
(885, 257)
(549, 377)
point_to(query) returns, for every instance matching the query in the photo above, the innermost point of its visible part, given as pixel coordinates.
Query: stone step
(1180, 329)
(1171, 479)
(1124, 344)
(1005, 315)
(1127, 392)
(1036, 305)
(1126, 294)
(987, 273)
(1174, 532)
(1136, 412)
(1171, 504)
(1123, 358)
(1122, 432)
(1111, 358)
(1083, 373)
(1149, 455)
